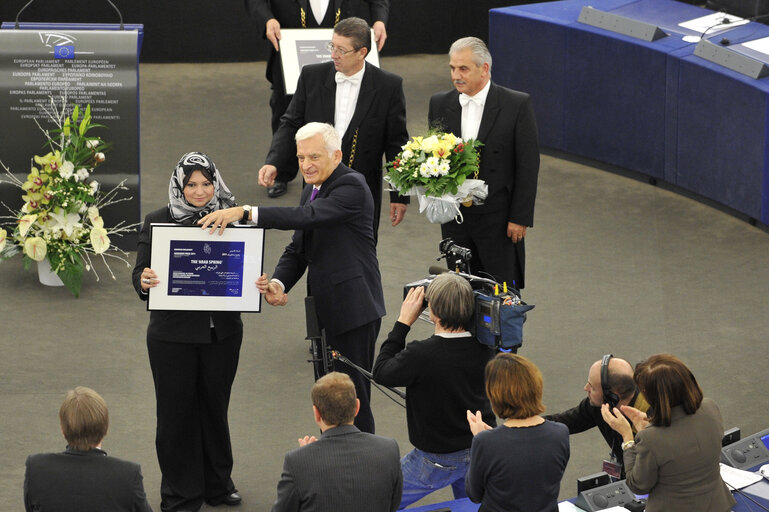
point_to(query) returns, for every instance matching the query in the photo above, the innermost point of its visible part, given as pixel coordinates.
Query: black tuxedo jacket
(75, 481)
(346, 470)
(334, 242)
(178, 326)
(288, 14)
(379, 121)
(510, 151)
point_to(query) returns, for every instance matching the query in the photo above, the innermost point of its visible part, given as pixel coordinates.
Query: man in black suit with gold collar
(364, 103)
(334, 243)
(272, 15)
(503, 120)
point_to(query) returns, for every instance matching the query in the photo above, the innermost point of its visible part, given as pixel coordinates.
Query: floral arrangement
(441, 170)
(60, 219)
(439, 163)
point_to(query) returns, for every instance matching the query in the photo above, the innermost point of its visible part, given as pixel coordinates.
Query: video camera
(499, 311)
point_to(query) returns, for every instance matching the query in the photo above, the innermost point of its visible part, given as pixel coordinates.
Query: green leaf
(72, 276)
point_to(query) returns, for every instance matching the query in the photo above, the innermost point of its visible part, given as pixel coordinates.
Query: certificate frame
(197, 255)
(301, 46)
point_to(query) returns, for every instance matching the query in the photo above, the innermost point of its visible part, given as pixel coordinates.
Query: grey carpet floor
(613, 265)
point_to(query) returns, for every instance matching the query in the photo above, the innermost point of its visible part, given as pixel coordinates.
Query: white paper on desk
(567, 506)
(737, 478)
(713, 23)
(760, 45)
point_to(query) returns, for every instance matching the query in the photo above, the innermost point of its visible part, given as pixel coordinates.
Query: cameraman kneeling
(443, 376)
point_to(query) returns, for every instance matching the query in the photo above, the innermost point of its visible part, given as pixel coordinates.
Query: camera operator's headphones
(609, 397)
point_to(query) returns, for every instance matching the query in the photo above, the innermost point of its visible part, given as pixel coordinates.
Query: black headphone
(609, 397)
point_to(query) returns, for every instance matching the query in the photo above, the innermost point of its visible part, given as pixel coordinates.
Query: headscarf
(181, 210)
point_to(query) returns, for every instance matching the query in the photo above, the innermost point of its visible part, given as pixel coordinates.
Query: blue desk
(652, 107)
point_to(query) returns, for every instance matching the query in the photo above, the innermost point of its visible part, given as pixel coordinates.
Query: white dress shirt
(319, 8)
(472, 111)
(347, 90)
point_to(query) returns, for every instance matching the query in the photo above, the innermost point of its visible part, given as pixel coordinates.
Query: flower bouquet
(60, 220)
(436, 169)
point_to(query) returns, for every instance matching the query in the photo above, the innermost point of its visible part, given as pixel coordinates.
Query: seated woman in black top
(518, 465)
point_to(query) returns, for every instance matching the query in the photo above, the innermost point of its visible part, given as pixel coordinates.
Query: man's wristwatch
(246, 213)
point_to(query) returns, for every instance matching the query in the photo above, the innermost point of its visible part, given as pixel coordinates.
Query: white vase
(47, 276)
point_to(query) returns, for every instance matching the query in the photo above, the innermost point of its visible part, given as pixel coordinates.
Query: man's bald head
(620, 381)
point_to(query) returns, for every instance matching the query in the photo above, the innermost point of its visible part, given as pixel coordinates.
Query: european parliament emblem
(64, 52)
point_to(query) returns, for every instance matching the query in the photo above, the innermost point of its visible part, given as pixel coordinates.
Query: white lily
(66, 222)
(3, 237)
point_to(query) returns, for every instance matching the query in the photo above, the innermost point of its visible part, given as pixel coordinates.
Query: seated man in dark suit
(346, 469)
(83, 478)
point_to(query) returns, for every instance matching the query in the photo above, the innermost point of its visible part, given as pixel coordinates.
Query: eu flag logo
(64, 52)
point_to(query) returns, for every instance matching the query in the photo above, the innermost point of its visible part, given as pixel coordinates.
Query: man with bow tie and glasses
(503, 120)
(364, 103)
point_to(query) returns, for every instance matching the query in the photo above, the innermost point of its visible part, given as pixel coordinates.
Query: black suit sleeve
(526, 167)
(142, 257)
(380, 10)
(288, 497)
(283, 146)
(140, 503)
(396, 133)
(260, 12)
(577, 419)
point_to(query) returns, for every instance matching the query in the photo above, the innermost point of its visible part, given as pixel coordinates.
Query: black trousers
(494, 253)
(358, 346)
(192, 390)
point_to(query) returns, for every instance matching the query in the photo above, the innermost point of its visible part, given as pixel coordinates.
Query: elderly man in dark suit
(346, 469)
(503, 120)
(364, 103)
(83, 478)
(272, 15)
(334, 242)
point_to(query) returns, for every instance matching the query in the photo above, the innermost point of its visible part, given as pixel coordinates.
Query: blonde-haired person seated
(518, 465)
(83, 478)
(675, 455)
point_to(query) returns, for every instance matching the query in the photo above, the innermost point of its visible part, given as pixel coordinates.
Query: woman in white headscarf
(193, 356)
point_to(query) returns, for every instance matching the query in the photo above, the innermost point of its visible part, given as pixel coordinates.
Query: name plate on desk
(620, 24)
(731, 59)
(198, 271)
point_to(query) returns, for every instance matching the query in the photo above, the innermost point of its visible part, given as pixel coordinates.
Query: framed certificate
(302, 46)
(203, 272)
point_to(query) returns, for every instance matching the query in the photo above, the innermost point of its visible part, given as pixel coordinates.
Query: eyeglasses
(335, 49)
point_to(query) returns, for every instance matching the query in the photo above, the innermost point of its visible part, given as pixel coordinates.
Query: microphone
(436, 270)
(120, 15)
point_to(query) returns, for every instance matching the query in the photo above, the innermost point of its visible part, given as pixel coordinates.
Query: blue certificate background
(199, 268)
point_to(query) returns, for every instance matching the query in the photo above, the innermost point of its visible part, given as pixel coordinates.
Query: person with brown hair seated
(83, 478)
(675, 455)
(518, 465)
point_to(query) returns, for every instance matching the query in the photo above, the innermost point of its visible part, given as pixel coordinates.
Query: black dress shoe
(231, 500)
(277, 189)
